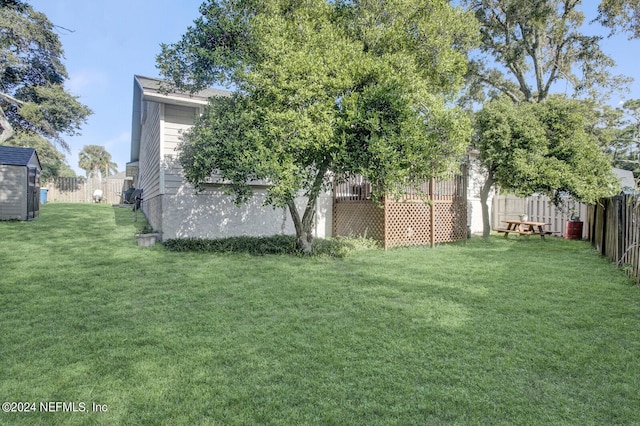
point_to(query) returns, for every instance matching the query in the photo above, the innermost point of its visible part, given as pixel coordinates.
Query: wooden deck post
(385, 231)
(432, 210)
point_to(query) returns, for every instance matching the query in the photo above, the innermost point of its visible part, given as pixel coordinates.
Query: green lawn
(517, 331)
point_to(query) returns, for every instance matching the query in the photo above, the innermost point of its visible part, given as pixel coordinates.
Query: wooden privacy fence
(615, 231)
(434, 213)
(80, 190)
(538, 208)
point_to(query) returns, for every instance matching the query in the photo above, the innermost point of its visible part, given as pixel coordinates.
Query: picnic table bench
(525, 228)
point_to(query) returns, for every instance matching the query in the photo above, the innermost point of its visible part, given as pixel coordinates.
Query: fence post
(432, 212)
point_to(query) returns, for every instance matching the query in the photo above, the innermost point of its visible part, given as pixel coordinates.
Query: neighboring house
(171, 204)
(19, 183)
(627, 181)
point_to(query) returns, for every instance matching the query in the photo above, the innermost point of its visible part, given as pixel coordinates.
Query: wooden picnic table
(525, 228)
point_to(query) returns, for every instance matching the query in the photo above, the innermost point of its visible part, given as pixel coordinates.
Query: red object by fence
(573, 231)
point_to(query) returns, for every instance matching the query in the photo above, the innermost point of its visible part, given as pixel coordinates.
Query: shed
(19, 183)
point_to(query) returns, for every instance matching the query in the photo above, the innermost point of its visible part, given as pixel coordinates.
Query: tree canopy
(621, 16)
(96, 161)
(623, 136)
(32, 75)
(528, 47)
(542, 148)
(349, 87)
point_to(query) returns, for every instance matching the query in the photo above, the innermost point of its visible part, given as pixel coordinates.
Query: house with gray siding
(19, 183)
(169, 202)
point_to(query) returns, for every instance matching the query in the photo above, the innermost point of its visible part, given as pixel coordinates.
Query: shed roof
(17, 156)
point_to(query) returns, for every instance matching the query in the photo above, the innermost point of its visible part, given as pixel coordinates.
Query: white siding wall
(149, 173)
(13, 192)
(177, 119)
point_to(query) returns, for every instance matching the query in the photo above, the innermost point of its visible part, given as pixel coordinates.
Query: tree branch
(513, 96)
(533, 49)
(11, 99)
(7, 129)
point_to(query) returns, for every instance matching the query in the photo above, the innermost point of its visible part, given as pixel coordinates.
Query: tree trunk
(484, 201)
(304, 234)
(304, 225)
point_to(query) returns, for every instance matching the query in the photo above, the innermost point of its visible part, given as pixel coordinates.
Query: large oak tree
(32, 75)
(348, 87)
(543, 148)
(528, 48)
(528, 51)
(621, 16)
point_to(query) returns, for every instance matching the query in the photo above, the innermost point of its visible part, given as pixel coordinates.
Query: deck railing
(358, 189)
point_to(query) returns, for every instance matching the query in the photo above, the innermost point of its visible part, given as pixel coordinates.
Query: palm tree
(96, 161)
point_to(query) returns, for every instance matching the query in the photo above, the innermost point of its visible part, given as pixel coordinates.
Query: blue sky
(113, 40)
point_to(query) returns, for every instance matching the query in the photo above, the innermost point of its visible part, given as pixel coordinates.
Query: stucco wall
(324, 215)
(476, 180)
(212, 214)
(152, 208)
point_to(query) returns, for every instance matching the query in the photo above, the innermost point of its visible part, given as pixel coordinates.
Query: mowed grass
(518, 331)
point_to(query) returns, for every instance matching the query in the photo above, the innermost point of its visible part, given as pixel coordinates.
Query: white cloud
(118, 140)
(85, 80)
(119, 147)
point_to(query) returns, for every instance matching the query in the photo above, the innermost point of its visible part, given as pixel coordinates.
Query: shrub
(276, 244)
(257, 246)
(146, 229)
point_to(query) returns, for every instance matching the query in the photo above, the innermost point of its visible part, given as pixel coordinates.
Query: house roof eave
(173, 99)
(136, 123)
(150, 89)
